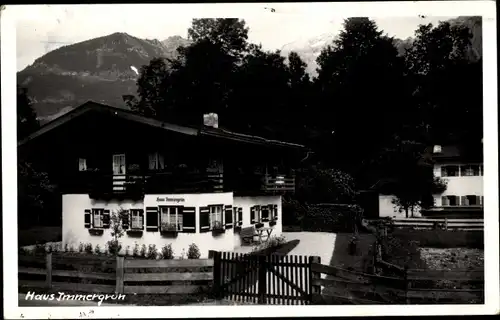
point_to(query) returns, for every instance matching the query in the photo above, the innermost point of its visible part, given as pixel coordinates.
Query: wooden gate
(263, 279)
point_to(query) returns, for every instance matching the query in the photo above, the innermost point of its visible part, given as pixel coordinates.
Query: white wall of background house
(246, 203)
(466, 185)
(75, 232)
(467, 182)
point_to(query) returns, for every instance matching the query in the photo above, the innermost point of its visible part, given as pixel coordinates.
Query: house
(179, 185)
(462, 170)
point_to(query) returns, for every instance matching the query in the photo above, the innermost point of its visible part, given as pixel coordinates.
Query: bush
(127, 250)
(88, 248)
(136, 252)
(152, 252)
(293, 212)
(167, 252)
(144, 251)
(97, 250)
(81, 247)
(114, 246)
(333, 218)
(66, 247)
(193, 252)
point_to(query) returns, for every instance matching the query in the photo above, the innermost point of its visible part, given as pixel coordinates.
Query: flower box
(259, 225)
(135, 232)
(169, 229)
(272, 223)
(96, 232)
(218, 227)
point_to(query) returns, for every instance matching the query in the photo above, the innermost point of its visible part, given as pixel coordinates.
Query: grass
(442, 238)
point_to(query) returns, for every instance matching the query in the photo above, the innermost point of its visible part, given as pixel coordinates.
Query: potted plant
(353, 244)
(217, 227)
(168, 229)
(272, 222)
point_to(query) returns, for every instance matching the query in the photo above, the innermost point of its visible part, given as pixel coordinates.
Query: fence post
(120, 261)
(48, 266)
(446, 224)
(217, 273)
(315, 289)
(407, 285)
(262, 289)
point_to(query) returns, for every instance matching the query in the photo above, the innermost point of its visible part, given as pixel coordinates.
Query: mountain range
(99, 69)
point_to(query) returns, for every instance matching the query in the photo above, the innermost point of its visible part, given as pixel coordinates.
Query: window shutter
(141, 215)
(240, 216)
(229, 216)
(482, 200)
(106, 219)
(253, 213)
(126, 220)
(264, 211)
(151, 219)
(88, 219)
(204, 219)
(189, 219)
(464, 201)
(275, 212)
(478, 200)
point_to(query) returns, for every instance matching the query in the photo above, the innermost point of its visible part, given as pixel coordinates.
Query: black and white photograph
(250, 155)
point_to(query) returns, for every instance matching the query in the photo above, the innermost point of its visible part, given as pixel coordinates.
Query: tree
(411, 177)
(27, 122)
(360, 88)
(447, 84)
(230, 33)
(35, 191)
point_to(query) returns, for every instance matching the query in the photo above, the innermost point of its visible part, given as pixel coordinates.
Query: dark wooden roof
(132, 116)
(456, 153)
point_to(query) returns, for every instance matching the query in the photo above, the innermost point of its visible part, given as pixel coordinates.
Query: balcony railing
(170, 182)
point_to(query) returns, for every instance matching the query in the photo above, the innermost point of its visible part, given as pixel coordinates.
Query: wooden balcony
(136, 185)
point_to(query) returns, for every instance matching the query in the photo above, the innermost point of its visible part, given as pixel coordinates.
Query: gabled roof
(132, 116)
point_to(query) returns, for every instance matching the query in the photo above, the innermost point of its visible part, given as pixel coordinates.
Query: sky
(42, 28)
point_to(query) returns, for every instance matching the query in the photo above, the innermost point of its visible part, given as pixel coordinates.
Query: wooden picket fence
(129, 276)
(263, 279)
(445, 224)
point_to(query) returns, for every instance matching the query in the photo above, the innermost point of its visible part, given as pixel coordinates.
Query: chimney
(437, 149)
(211, 120)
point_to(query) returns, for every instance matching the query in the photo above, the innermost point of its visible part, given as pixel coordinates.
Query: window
(470, 170)
(450, 201)
(118, 164)
(472, 200)
(137, 219)
(215, 215)
(156, 161)
(98, 218)
(82, 164)
(449, 171)
(264, 213)
(171, 217)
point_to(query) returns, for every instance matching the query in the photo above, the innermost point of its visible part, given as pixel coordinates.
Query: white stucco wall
(247, 202)
(75, 232)
(387, 209)
(459, 186)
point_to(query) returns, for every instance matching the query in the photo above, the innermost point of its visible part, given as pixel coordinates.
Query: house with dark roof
(461, 167)
(178, 185)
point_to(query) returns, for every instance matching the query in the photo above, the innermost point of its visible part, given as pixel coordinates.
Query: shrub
(88, 248)
(81, 247)
(152, 252)
(333, 218)
(97, 250)
(23, 251)
(66, 247)
(144, 251)
(193, 252)
(167, 252)
(127, 250)
(114, 246)
(39, 249)
(135, 252)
